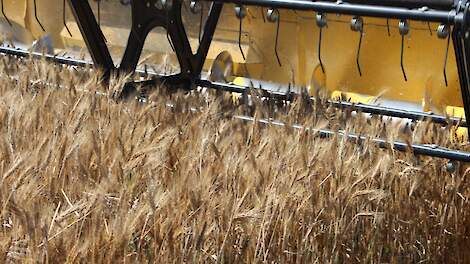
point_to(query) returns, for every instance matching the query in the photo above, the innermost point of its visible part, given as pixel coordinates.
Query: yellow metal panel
(50, 15)
(297, 48)
(351, 97)
(15, 10)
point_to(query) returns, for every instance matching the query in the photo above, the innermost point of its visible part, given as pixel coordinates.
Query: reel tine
(240, 40)
(404, 29)
(357, 25)
(274, 16)
(445, 60)
(321, 23)
(401, 57)
(36, 16)
(443, 31)
(276, 44)
(240, 12)
(64, 19)
(5, 16)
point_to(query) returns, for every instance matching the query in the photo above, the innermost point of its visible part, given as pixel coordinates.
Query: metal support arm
(146, 17)
(93, 36)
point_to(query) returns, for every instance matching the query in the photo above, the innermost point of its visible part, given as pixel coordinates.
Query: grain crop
(85, 178)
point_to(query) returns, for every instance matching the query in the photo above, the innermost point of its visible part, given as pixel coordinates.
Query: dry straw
(86, 179)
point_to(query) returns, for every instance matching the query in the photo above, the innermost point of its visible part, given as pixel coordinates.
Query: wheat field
(88, 179)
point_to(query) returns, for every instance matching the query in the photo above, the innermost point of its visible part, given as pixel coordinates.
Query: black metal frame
(92, 35)
(147, 15)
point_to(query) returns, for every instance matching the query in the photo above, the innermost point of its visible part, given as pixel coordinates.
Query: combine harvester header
(449, 19)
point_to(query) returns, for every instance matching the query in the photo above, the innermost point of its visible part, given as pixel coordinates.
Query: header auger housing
(305, 41)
